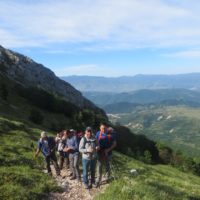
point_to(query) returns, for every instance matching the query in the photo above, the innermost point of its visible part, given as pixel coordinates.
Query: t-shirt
(105, 140)
(46, 145)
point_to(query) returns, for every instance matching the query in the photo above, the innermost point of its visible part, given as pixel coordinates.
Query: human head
(110, 130)
(72, 132)
(59, 134)
(43, 135)
(88, 132)
(65, 134)
(103, 128)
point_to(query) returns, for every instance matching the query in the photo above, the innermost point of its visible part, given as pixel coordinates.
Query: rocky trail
(73, 189)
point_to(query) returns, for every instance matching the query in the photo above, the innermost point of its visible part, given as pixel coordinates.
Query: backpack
(108, 135)
(85, 141)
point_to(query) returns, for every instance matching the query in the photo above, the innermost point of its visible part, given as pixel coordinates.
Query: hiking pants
(89, 165)
(63, 159)
(48, 159)
(100, 163)
(74, 164)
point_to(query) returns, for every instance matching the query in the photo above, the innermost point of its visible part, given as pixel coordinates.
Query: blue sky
(105, 37)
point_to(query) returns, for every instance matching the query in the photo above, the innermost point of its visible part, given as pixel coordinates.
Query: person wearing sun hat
(47, 146)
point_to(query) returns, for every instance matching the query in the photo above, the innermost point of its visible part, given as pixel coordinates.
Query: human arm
(71, 144)
(82, 148)
(37, 153)
(111, 148)
(38, 149)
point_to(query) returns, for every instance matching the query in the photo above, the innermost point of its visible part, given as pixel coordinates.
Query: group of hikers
(96, 150)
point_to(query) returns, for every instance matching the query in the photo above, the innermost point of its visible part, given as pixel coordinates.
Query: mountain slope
(151, 182)
(175, 126)
(132, 83)
(28, 73)
(21, 176)
(29, 91)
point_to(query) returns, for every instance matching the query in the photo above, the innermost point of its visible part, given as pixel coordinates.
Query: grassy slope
(152, 182)
(21, 177)
(180, 131)
(20, 174)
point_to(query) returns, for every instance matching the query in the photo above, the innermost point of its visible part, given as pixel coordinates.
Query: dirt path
(72, 189)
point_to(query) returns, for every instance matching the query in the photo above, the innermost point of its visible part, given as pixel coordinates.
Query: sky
(105, 37)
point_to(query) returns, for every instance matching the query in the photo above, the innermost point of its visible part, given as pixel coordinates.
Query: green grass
(21, 177)
(153, 182)
(181, 130)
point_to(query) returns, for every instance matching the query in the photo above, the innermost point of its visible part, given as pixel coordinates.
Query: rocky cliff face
(29, 73)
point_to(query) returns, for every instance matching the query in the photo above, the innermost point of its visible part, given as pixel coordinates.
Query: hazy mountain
(132, 83)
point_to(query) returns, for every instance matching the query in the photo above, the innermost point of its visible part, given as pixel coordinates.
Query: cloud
(87, 69)
(184, 54)
(99, 25)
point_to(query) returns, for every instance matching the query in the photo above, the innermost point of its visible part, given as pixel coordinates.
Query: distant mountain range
(164, 96)
(132, 83)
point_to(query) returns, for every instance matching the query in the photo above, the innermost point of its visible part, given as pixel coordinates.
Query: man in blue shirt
(106, 140)
(71, 147)
(47, 146)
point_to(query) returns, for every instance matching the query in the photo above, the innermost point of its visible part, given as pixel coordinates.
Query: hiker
(71, 147)
(87, 147)
(63, 156)
(106, 140)
(47, 146)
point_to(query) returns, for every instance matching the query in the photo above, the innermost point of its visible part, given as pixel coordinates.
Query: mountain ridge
(133, 83)
(144, 96)
(26, 72)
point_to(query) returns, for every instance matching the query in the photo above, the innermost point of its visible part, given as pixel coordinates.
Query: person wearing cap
(106, 140)
(71, 147)
(47, 146)
(87, 147)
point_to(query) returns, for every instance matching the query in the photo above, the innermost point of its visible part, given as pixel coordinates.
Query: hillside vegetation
(20, 175)
(43, 108)
(151, 182)
(176, 126)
